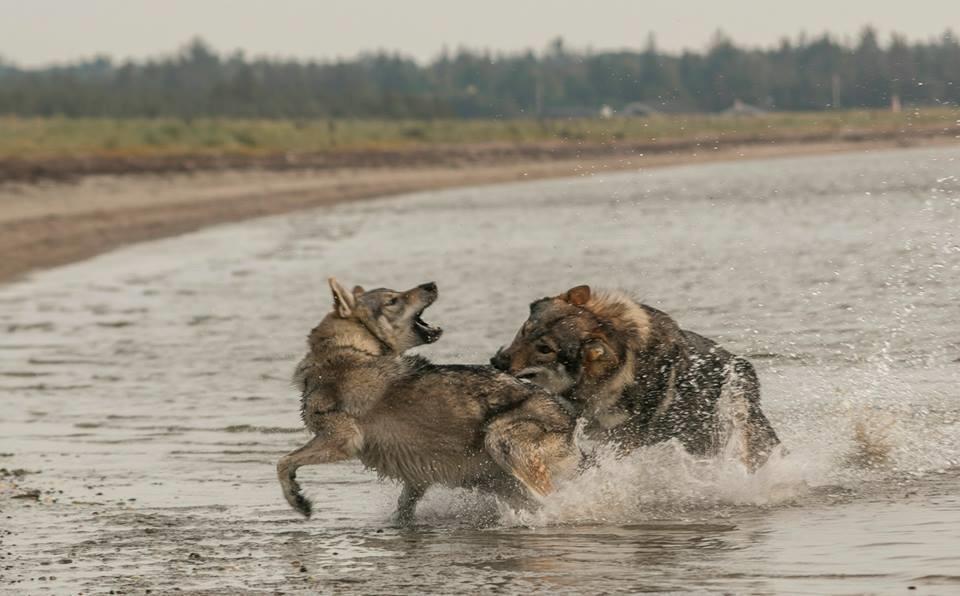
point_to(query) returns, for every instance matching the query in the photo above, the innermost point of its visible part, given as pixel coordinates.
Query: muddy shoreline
(59, 211)
(68, 168)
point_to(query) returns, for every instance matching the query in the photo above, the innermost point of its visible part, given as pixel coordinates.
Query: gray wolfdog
(418, 422)
(638, 378)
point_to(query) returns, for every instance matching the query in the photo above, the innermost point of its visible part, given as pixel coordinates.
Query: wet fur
(422, 423)
(646, 379)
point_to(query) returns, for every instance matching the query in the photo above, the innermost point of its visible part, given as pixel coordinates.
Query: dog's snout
(500, 361)
(429, 287)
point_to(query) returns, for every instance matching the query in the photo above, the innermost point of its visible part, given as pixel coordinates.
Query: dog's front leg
(338, 439)
(407, 504)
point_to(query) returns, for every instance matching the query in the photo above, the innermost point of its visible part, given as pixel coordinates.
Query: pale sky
(38, 32)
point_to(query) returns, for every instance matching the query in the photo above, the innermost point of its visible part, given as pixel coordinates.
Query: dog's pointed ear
(358, 291)
(577, 296)
(343, 301)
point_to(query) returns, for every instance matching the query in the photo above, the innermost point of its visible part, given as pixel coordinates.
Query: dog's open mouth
(427, 332)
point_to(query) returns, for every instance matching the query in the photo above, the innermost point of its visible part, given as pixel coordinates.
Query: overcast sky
(37, 32)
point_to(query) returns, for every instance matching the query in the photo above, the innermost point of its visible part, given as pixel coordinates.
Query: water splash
(663, 482)
(867, 443)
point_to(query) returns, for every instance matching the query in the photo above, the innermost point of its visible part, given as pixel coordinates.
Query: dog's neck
(337, 336)
(644, 386)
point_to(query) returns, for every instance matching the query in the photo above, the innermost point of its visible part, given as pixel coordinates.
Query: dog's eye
(392, 300)
(544, 349)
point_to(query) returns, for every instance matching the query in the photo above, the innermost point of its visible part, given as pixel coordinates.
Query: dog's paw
(402, 519)
(293, 496)
(302, 505)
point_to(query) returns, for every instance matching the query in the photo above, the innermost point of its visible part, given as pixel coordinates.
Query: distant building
(570, 112)
(741, 108)
(638, 108)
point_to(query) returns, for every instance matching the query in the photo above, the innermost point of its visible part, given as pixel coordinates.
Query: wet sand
(49, 223)
(145, 393)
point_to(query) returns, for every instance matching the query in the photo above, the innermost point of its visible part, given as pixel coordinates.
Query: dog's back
(431, 425)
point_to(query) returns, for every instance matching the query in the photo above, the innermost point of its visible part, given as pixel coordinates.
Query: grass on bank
(34, 138)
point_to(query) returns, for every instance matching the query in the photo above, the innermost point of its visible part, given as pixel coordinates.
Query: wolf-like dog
(418, 422)
(638, 378)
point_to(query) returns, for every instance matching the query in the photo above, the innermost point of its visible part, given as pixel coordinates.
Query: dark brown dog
(638, 378)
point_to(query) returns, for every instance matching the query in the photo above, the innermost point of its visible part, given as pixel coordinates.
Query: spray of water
(863, 440)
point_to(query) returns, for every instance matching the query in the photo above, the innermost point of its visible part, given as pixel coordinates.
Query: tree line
(804, 74)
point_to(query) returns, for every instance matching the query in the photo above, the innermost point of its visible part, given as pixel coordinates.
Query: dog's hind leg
(517, 496)
(407, 504)
(756, 437)
(531, 448)
(338, 439)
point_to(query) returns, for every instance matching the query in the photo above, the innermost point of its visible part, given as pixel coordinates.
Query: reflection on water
(145, 393)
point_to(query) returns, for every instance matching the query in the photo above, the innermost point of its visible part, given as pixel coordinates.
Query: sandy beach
(47, 223)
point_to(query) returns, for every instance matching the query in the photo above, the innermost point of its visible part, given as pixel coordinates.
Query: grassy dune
(39, 138)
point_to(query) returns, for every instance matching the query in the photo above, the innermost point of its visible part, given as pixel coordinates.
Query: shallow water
(149, 391)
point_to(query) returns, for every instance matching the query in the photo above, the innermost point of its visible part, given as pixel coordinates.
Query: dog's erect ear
(343, 301)
(358, 291)
(577, 296)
